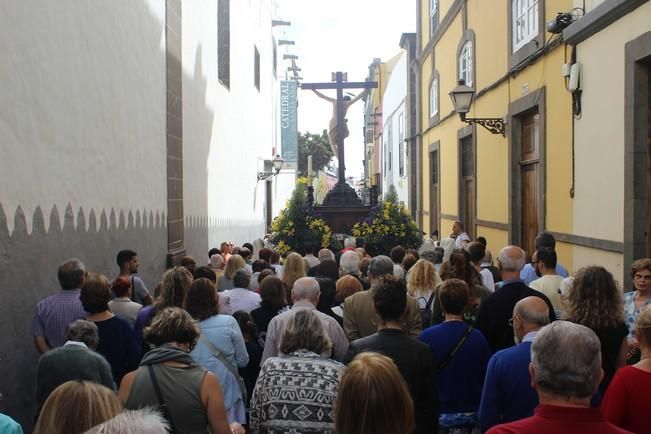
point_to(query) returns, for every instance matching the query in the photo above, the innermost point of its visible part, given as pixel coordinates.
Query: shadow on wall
(28, 268)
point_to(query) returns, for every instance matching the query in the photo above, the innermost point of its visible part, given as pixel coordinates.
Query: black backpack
(426, 312)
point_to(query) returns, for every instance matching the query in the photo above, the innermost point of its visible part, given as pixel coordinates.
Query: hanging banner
(288, 120)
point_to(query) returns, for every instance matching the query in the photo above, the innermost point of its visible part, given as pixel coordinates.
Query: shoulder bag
(233, 370)
(454, 351)
(164, 409)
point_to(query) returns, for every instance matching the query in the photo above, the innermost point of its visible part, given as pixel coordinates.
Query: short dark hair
(242, 279)
(328, 268)
(120, 286)
(477, 251)
(205, 272)
(360, 242)
(201, 299)
(454, 295)
(397, 254)
(482, 240)
(259, 265)
(248, 246)
(71, 274)
(265, 254)
(275, 257)
(95, 293)
(545, 239)
(125, 256)
(273, 293)
(172, 324)
(390, 298)
(214, 251)
(244, 252)
(409, 261)
(247, 326)
(266, 273)
(548, 257)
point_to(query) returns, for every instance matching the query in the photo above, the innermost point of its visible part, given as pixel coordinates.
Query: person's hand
(236, 428)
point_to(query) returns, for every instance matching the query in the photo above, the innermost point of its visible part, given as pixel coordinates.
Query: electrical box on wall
(575, 77)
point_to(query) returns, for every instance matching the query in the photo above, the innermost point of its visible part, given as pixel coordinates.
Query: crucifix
(338, 130)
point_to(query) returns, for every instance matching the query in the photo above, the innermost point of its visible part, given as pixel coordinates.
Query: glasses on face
(646, 277)
(511, 321)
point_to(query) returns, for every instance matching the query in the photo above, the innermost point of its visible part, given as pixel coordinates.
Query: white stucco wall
(228, 133)
(393, 107)
(82, 119)
(599, 135)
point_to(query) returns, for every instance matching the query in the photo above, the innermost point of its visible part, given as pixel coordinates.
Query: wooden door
(467, 187)
(530, 181)
(434, 191)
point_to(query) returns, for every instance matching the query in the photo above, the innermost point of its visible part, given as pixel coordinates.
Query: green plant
(388, 225)
(295, 226)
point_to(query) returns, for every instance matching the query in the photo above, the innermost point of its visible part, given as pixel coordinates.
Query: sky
(342, 35)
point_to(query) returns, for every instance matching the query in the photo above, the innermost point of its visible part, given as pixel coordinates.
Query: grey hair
(567, 360)
(380, 265)
(306, 288)
(350, 262)
(325, 254)
(431, 256)
(304, 331)
(529, 315)
(512, 258)
(143, 421)
(350, 242)
(242, 278)
(70, 273)
(83, 331)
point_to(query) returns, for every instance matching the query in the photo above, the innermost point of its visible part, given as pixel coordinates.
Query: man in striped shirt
(54, 313)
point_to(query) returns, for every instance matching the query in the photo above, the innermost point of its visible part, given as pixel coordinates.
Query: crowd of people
(435, 340)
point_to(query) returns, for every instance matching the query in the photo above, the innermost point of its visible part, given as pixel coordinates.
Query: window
(256, 67)
(401, 144)
(465, 63)
(434, 98)
(525, 22)
(389, 143)
(433, 16)
(224, 42)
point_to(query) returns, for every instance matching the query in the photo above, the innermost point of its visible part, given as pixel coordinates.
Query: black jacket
(414, 361)
(495, 312)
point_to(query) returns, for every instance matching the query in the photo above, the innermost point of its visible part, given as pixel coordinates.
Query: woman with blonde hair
(627, 399)
(233, 265)
(422, 281)
(76, 406)
(176, 282)
(373, 398)
(293, 269)
(596, 302)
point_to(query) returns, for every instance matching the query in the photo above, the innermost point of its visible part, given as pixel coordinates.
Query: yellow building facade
(508, 187)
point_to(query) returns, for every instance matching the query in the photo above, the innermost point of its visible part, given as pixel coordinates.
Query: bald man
(496, 311)
(305, 295)
(507, 394)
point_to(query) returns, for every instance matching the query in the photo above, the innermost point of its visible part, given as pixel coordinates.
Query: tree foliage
(318, 147)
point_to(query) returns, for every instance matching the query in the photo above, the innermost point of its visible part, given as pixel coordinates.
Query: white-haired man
(496, 311)
(305, 295)
(566, 371)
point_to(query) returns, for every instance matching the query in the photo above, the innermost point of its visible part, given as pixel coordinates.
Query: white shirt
(487, 279)
(549, 285)
(240, 299)
(461, 239)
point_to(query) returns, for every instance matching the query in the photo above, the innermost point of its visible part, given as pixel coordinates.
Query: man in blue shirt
(507, 394)
(528, 273)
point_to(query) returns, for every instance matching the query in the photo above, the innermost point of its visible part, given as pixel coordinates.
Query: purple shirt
(54, 313)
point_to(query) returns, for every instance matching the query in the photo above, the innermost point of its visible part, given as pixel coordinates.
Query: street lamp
(462, 98)
(277, 164)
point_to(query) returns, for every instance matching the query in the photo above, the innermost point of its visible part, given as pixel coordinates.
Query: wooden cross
(339, 82)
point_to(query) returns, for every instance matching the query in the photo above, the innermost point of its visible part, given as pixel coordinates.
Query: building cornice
(598, 19)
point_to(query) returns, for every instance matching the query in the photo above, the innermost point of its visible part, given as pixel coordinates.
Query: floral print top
(631, 311)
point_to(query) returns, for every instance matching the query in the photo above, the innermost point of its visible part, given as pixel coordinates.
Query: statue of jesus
(332, 127)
